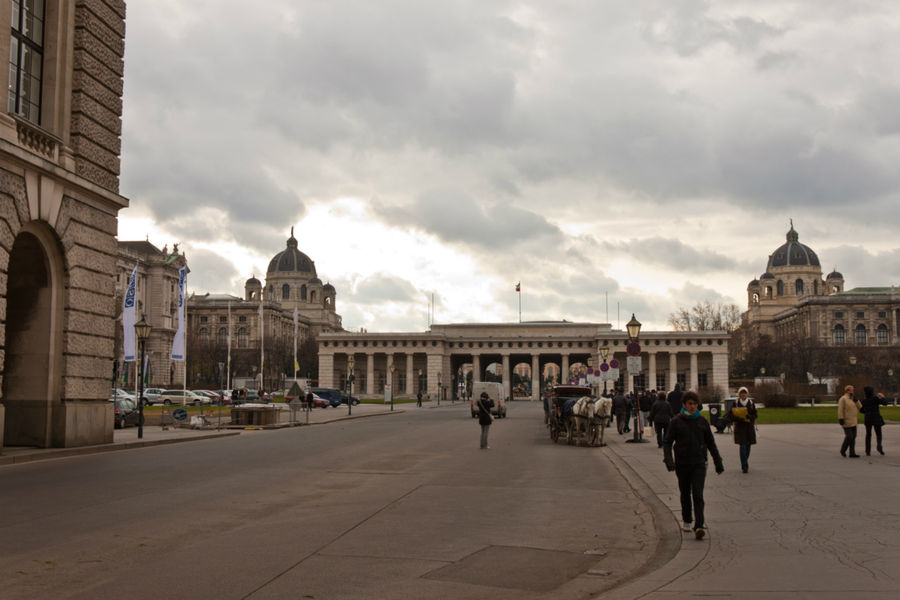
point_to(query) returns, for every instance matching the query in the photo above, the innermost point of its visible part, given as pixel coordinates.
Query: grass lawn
(814, 414)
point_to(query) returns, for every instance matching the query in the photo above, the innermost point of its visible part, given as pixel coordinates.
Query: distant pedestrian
(675, 399)
(687, 442)
(484, 418)
(419, 399)
(872, 418)
(848, 416)
(743, 421)
(646, 401)
(660, 415)
(309, 399)
(620, 409)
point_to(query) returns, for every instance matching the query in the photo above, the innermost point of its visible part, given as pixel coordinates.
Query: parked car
(345, 396)
(151, 395)
(120, 393)
(183, 397)
(334, 397)
(226, 396)
(124, 413)
(320, 402)
(213, 396)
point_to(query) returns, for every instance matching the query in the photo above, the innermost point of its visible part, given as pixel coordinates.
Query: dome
(328, 286)
(834, 275)
(753, 283)
(253, 281)
(767, 275)
(315, 280)
(291, 260)
(793, 254)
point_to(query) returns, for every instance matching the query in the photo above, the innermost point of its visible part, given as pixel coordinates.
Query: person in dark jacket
(620, 409)
(484, 418)
(687, 442)
(660, 415)
(872, 418)
(645, 402)
(675, 399)
(743, 421)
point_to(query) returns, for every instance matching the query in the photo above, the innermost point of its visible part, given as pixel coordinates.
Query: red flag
(518, 287)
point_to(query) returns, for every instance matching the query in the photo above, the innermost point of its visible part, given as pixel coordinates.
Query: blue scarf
(688, 415)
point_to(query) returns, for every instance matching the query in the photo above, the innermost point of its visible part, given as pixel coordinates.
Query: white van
(495, 391)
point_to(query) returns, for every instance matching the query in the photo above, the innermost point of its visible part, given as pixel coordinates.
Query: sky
(613, 157)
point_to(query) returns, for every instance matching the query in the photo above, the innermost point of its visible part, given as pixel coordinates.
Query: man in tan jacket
(848, 413)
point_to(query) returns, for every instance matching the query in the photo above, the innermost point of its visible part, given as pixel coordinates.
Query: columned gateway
(447, 353)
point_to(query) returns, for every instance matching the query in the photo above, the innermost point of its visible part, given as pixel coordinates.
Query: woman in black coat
(743, 422)
(873, 418)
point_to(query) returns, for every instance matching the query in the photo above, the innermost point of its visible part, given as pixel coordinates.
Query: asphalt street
(397, 506)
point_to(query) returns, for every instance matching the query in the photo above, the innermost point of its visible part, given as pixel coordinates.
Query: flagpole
(295, 341)
(228, 367)
(262, 332)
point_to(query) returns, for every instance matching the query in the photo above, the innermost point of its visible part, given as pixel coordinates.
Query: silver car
(182, 397)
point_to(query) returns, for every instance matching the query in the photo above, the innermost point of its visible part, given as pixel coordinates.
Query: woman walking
(873, 418)
(692, 438)
(484, 418)
(743, 422)
(848, 417)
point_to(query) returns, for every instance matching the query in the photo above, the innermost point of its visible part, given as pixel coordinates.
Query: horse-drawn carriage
(573, 412)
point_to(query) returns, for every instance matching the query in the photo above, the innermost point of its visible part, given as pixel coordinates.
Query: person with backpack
(688, 440)
(484, 418)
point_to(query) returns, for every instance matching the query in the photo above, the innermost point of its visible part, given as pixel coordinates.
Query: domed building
(791, 299)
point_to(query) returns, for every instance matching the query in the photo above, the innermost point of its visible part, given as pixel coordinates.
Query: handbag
(740, 413)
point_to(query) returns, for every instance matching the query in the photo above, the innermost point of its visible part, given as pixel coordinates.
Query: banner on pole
(128, 318)
(178, 342)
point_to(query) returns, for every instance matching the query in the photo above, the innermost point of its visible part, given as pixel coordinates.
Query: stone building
(156, 300)
(59, 199)
(445, 353)
(792, 300)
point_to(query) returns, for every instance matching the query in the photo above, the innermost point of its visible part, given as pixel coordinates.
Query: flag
(518, 287)
(178, 341)
(128, 318)
(228, 340)
(146, 368)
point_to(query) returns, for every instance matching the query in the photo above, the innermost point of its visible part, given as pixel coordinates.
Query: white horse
(583, 413)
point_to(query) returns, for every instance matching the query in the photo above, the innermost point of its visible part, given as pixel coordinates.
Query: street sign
(633, 349)
(179, 414)
(634, 364)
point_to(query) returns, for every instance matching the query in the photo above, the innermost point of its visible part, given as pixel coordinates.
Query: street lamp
(634, 331)
(604, 352)
(393, 391)
(142, 330)
(350, 385)
(420, 388)
(439, 388)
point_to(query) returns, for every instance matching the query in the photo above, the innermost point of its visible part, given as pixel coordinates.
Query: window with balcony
(26, 59)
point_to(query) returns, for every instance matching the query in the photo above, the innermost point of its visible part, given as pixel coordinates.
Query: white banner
(128, 318)
(178, 342)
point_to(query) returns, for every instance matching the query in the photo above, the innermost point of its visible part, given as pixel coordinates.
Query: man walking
(848, 416)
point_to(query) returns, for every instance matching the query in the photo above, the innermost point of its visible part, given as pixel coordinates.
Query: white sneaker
(699, 533)
(686, 526)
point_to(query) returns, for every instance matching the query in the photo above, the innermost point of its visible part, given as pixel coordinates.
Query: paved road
(803, 523)
(398, 506)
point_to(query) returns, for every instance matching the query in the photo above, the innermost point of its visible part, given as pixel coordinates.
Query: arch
(312, 296)
(859, 335)
(222, 337)
(837, 334)
(285, 292)
(755, 298)
(881, 334)
(779, 288)
(32, 369)
(769, 292)
(816, 287)
(798, 287)
(303, 292)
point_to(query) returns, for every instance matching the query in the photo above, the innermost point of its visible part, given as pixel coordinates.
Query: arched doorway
(32, 360)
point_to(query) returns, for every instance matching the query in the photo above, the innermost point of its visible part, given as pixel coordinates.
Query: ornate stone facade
(59, 169)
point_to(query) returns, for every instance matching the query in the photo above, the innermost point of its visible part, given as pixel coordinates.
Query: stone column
(370, 373)
(693, 381)
(720, 372)
(651, 370)
(507, 377)
(326, 370)
(564, 369)
(410, 375)
(535, 378)
(435, 366)
(673, 370)
(476, 368)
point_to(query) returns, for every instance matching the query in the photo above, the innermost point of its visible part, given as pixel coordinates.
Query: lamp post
(634, 331)
(142, 330)
(604, 352)
(393, 368)
(890, 374)
(419, 395)
(350, 385)
(852, 360)
(439, 388)
(459, 385)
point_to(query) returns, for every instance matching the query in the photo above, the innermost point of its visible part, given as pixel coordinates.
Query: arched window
(780, 288)
(204, 335)
(838, 335)
(798, 287)
(816, 287)
(303, 292)
(312, 296)
(222, 337)
(860, 335)
(285, 292)
(769, 291)
(755, 298)
(327, 301)
(242, 337)
(881, 334)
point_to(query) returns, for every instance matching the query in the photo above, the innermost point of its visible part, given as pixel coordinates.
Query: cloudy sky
(638, 156)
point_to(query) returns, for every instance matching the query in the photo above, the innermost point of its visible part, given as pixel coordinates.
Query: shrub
(778, 400)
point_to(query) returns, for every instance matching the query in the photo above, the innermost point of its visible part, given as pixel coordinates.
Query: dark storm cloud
(674, 254)
(862, 268)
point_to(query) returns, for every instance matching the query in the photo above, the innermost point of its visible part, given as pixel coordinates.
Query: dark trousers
(620, 421)
(745, 456)
(660, 432)
(690, 483)
(849, 440)
(869, 437)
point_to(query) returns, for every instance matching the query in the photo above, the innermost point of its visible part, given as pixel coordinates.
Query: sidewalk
(803, 523)
(126, 439)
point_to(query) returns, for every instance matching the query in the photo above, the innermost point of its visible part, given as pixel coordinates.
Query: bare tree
(706, 316)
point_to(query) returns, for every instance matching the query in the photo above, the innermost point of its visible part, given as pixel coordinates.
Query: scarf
(744, 402)
(688, 415)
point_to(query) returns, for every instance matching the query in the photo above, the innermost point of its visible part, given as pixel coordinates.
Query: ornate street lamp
(393, 391)
(350, 385)
(634, 328)
(142, 330)
(604, 353)
(439, 388)
(634, 331)
(420, 381)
